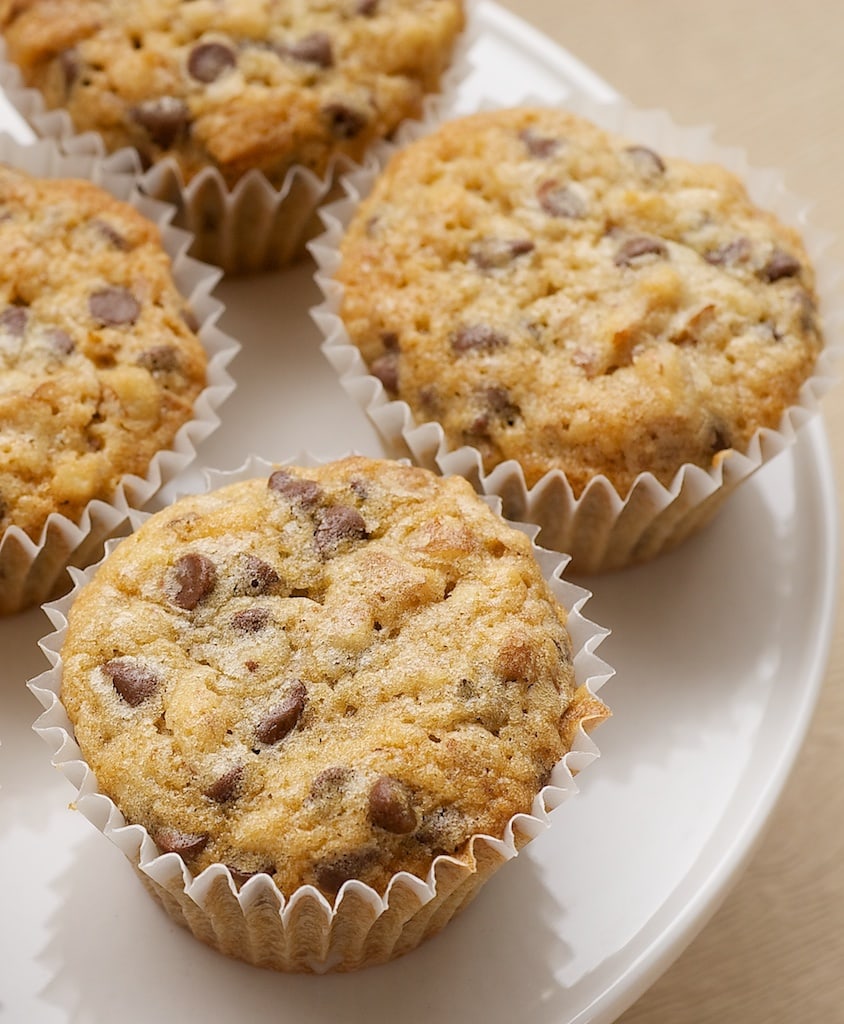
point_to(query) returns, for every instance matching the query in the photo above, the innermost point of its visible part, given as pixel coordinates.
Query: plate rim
(662, 951)
(665, 948)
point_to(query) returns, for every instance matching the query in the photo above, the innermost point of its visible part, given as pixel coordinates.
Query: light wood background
(769, 75)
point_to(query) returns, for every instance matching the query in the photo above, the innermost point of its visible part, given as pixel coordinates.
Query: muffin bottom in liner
(601, 529)
(305, 931)
(252, 227)
(33, 571)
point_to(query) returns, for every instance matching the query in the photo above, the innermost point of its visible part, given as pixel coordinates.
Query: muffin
(329, 683)
(236, 87)
(563, 299)
(101, 367)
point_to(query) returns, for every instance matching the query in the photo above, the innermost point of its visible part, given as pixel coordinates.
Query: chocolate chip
(646, 160)
(391, 806)
(260, 576)
(344, 121)
(366, 8)
(386, 369)
(730, 253)
(560, 201)
(314, 48)
(305, 493)
(331, 873)
(499, 401)
(194, 576)
(208, 61)
(61, 341)
(780, 264)
(226, 786)
(186, 844)
(641, 245)
(111, 235)
(281, 720)
(494, 253)
(133, 682)
(165, 119)
(250, 620)
(13, 320)
(477, 338)
(114, 307)
(253, 666)
(538, 145)
(338, 523)
(161, 359)
(331, 782)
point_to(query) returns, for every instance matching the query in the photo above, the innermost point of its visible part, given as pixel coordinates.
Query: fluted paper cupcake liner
(252, 226)
(31, 571)
(303, 930)
(601, 529)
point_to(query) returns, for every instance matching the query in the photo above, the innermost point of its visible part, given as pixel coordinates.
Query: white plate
(720, 650)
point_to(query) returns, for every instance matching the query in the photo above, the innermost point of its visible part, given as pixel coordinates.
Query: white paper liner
(601, 529)
(305, 931)
(30, 571)
(253, 226)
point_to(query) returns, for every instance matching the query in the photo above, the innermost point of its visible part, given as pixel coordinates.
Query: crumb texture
(340, 672)
(556, 295)
(99, 366)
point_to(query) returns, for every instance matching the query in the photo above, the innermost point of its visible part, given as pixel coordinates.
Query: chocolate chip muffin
(99, 362)
(334, 673)
(235, 85)
(551, 294)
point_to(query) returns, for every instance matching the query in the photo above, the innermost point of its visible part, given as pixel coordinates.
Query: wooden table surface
(769, 76)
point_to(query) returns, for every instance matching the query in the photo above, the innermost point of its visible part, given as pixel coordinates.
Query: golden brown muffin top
(98, 364)
(235, 84)
(556, 295)
(337, 672)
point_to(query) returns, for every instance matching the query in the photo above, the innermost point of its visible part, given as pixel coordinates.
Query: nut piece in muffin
(337, 672)
(553, 294)
(99, 364)
(237, 85)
